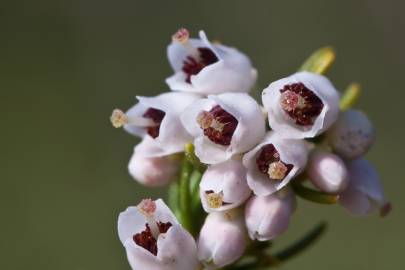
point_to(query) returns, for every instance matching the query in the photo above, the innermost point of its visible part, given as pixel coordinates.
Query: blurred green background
(64, 65)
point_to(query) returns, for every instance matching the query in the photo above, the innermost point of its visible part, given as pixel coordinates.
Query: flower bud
(223, 186)
(302, 105)
(158, 118)
(154, 240)
(273, 163)
(152, 171)
(206, 68)
(224, 125)
(269, 216)
(364, 193)
(327, 172)
(352, 135)
(222, 239)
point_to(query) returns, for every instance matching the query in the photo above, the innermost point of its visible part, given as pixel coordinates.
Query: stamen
(214, 200)
(156, 117)
(146, 240)
(118, 118)
(205, 119)
(385, 209)
(182, 36)
(147, 207)
(277, 170)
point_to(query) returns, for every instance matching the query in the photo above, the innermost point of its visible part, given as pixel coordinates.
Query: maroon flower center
(218, 125)
(157, 117)
(192, 66)
(301, 104)
(269, 163)
(146, 240)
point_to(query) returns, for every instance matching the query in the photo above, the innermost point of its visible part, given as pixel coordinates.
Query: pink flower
(154, 240)
(269, 216)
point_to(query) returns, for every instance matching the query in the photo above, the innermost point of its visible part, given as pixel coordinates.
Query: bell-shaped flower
(223, 186)
(222, 239)
(327, 172)
(269, 216)
(207, 68)
(274, 162)
(302, 105)
(352, 135)
(158, 117)
(152, 171)
(154, 240)
(224, 125)
(364, 193)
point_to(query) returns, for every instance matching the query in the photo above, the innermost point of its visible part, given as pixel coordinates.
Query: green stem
(185, 196)
(192, 158)
(314, 195)
(320, 61)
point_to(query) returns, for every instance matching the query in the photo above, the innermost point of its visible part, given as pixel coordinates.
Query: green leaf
(314, 195)
(350, 96)
(320, 61)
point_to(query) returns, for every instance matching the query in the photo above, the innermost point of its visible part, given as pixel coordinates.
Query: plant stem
(185, 196)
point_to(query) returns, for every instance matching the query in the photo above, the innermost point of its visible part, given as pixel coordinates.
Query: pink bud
(269, 216)
(223, 186)
(327, 172)
(152, 171)
(364, 193)
(222, 239)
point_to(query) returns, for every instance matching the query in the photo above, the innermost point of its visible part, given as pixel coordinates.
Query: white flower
(302, 105)
(206, 68)
(152, 171)
(327, 172)
(352, 135)
(224, 125)
(274, 162)
(364, 193)
(269, 216)
(158, 117)
(222, 239)
(154, 240)
(223, 186)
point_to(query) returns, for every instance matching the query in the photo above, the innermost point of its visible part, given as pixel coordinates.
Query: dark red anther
(146, 240)
(269, 154)
(192, 66)
(157, 117)
(301, 104)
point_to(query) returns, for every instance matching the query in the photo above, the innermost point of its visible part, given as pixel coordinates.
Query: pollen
(147, 207)
(181, 36)
(277, 170)
(118, 118)
(214, 200)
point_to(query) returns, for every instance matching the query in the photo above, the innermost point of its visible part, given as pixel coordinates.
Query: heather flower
(274, 162)
(327, 172)
(158, 117)
(302, 105)
(222, 239)
(269, 216)
(364, 194)
(152, 171)
(223, 186)
(154, 240)
(206, 68)
(352, 135)
(224, 125)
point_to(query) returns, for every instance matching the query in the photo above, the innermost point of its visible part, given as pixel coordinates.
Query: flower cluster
(242, 162)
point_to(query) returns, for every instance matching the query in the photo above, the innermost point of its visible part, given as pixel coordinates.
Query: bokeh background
(64, 65)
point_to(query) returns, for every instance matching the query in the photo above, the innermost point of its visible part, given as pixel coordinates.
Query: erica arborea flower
(158, 117)
(206, 68)
(364, 193)
(224, 125)
(222, 239)
(154, 240)
(274, 162)
(327, 172)
(352, 135)
(302, 105)
(149, 169)
(223, 186)
(269, 216)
